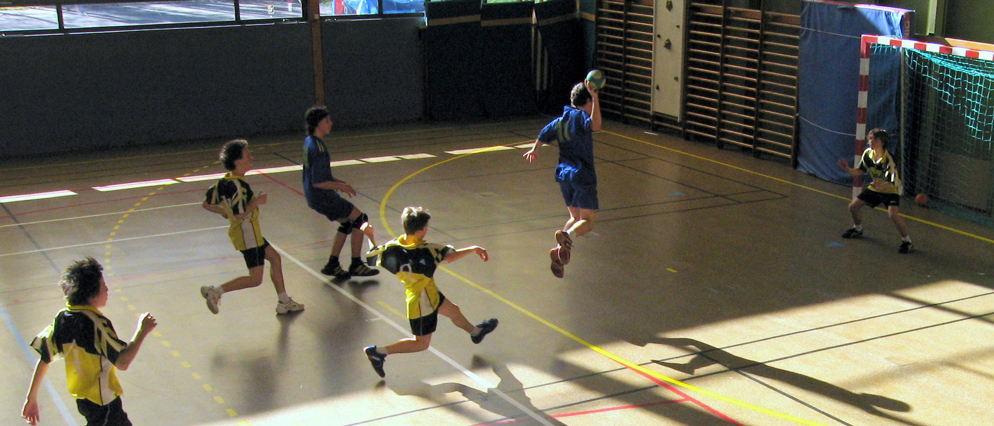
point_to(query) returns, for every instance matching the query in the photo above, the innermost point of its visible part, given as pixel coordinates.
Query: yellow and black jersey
(86, 340)
(233, 194)
(414, 262)
(881, 170)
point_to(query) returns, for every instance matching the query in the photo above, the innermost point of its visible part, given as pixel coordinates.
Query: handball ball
(921, 199)
(597, 78)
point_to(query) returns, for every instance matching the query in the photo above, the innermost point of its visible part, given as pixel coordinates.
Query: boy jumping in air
(574, 131)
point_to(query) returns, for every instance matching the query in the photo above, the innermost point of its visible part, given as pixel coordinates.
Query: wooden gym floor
(714, 290)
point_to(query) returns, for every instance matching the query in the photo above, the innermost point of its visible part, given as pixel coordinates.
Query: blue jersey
(317, 169)
(576, 146)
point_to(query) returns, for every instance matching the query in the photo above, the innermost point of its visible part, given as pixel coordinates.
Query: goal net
(942, 100)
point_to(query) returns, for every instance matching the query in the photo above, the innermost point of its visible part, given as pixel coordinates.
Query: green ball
(597, 78)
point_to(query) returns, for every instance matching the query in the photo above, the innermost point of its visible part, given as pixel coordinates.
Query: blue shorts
(334, 208)
(256, 256)
(582, 196)
(873, 198)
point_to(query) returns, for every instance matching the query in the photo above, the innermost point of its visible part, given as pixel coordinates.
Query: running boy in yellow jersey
(232, 198)
(414, 260)
(93, 353)
(885, 188)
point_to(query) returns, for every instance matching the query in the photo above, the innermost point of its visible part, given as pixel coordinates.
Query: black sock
(356, 261)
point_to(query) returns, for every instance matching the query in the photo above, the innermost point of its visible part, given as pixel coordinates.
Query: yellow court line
(947, 228)
(572, 336)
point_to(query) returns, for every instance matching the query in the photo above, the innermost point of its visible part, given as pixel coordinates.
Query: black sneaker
(905, 247)
(485, 328)
(376, 359)
(852, 233)
(335, 268)
(361, 270)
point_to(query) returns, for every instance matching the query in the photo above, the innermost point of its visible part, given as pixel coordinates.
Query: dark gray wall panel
(373, 71)
(80, 91)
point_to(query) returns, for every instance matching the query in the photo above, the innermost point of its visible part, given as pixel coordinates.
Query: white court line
(168, 234)
(271, 170)
(133, 185)
(478, 150)
(96, 215)
(36, 196)
(479, 380)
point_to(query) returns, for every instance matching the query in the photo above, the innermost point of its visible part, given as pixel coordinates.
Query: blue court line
(29, 355)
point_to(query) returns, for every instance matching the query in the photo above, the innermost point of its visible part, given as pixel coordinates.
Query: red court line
(586, 412)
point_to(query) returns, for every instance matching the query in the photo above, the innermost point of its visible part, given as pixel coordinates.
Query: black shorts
(427, 324)
(334, 208)
(111, 414)
(873, 198)
(256, 256)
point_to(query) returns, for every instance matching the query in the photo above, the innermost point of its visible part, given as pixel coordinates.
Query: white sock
(857, 227)
(283, 298)
(218, 289)
(476, 331)
(908, 239)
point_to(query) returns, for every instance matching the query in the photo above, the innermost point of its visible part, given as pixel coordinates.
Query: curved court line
(940, 226)
(638, 368)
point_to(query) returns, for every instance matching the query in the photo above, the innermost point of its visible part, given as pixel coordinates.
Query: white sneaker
(212, 296)
(289, 306)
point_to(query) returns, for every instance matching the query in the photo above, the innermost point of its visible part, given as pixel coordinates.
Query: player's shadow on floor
(705, 355)
(491, 400)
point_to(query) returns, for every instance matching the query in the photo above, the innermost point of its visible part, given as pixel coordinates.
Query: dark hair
(81, 281)
(414, 219)
(314, 116)
(579, 96)
(232, 151)
(880, 134)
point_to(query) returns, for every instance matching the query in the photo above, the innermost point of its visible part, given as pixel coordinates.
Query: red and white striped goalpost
(864, 81)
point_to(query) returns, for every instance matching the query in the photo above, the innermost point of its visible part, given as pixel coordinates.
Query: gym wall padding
(453, 59)
(101, 90)
(372, 79)
(562, 36)
(829, 81)
(507, 76)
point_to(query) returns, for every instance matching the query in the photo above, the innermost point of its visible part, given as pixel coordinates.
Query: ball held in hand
(598, 79)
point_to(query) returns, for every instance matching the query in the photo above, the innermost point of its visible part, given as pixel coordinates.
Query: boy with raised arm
(414, 261)
(86, 339)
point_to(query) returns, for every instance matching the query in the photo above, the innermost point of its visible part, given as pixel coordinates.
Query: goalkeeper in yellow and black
(885, 188)
(93, 353)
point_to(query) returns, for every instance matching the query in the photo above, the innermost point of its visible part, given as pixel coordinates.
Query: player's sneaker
(290, 306)
(213, 297)
(335, 268)
(376, 359)
(563, 239)
(852, 233)
(361, 270)
(485, 328)
(905, 247)
(558, 269)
